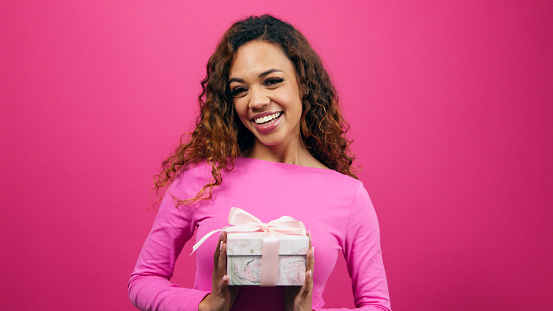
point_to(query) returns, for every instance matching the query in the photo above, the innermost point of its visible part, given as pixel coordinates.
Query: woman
(269, 140)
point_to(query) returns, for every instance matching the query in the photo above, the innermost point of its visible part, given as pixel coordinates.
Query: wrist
(205, 304)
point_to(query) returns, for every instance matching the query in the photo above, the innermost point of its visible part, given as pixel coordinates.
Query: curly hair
(220, 137)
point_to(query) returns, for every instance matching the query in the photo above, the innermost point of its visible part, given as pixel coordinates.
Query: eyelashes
(272, 81)
(241, 90)
(237, 91)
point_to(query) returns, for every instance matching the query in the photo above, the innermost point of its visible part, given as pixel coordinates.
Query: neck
(292, 153)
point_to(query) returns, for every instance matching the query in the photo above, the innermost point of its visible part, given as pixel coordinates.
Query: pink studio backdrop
(450, 106)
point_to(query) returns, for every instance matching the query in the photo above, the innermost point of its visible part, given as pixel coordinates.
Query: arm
(364, 256)
(149, 286)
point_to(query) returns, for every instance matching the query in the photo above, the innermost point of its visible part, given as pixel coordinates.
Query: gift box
(244, 259)
(264, 254)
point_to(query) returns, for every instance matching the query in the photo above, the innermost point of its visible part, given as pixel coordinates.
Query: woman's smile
(266, 122)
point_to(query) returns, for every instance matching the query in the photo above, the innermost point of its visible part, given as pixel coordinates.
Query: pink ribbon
(246, 222)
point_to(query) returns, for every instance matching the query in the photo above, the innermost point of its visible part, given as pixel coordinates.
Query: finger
(308, 280)
(222, 260)
(310, 256)
(217, 249)
(310, 260)
(223, 284)
(307, 287)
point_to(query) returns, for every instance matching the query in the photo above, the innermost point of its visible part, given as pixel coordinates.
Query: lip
(266, 128)
(263, 114)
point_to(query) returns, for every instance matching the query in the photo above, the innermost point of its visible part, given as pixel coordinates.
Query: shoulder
(190, 180)
(199, 169)
(341, 182)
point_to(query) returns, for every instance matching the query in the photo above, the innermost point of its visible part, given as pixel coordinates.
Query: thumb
(223, 284)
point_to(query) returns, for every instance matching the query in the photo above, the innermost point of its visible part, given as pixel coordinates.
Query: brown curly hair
(220, 137)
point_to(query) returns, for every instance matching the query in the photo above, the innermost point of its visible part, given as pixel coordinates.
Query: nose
(258, 99)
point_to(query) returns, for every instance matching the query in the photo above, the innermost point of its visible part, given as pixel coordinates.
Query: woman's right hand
(222, 296)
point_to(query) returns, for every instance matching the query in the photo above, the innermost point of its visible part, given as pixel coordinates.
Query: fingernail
(310, 273)
(221, 246)
(313, 251)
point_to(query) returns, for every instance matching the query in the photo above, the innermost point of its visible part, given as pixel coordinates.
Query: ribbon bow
(243, 221)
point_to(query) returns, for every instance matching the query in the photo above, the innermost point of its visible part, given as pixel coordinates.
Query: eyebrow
(261, 75)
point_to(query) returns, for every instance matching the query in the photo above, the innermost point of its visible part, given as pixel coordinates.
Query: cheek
(295, 100)
(241, 110)
(295, 105)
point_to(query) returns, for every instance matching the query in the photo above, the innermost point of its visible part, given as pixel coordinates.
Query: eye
(237, 91)
(272, 81)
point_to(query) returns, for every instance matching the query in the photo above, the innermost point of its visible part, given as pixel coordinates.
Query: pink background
(450, 106)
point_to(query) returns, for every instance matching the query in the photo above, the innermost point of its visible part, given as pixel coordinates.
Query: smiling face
(266, 93)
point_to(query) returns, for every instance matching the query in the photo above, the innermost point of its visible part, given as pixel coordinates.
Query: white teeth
(267, 118)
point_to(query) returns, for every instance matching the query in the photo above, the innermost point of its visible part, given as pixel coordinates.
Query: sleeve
(149, 286)
(364, 256)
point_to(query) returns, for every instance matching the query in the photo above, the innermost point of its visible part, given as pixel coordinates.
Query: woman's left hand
(300, 298)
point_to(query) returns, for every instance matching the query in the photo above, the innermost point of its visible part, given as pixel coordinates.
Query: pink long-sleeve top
(334, 207)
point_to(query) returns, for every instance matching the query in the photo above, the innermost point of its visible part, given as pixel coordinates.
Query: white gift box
(244, 258)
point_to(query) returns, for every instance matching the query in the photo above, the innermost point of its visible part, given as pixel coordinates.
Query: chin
(271, 143)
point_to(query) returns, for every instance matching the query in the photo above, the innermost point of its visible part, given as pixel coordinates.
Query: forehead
(259, 56)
